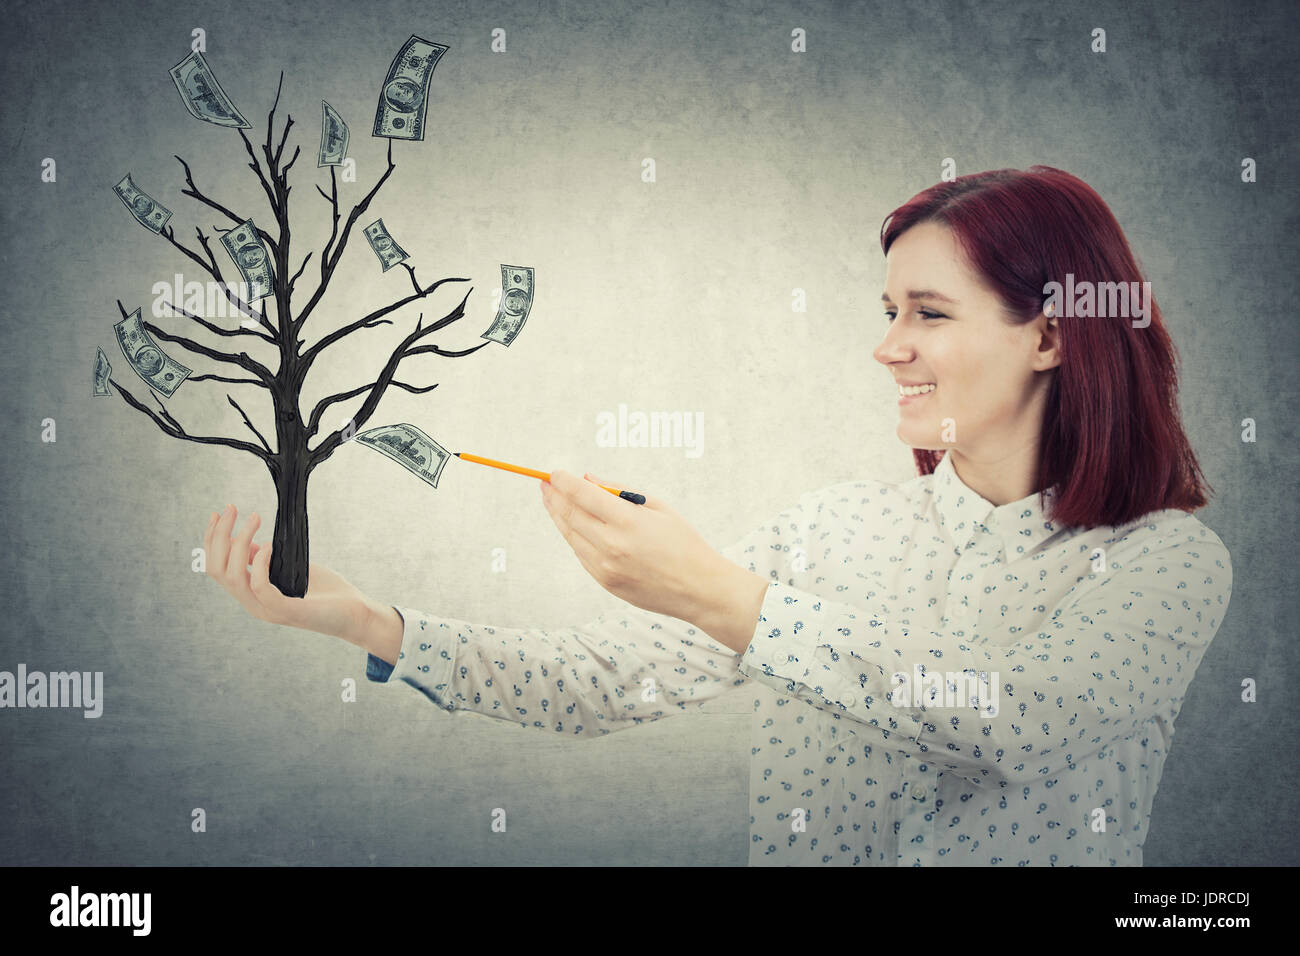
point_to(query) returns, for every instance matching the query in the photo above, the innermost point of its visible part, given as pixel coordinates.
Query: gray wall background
(775, 170)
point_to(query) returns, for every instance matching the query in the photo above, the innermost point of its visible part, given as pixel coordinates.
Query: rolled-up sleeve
(1120, 651)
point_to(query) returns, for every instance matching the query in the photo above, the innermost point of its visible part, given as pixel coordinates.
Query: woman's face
(991, 376)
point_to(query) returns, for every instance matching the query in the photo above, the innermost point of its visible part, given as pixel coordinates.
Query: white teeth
(916, 389)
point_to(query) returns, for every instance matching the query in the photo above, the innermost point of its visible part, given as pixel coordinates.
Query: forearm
(730, 606)
(382, 634)
(728, 613)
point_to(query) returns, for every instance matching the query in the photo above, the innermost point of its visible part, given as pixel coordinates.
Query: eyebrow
(915, 294)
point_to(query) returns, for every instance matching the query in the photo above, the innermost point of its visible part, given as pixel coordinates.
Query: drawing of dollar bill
(159, 372)
(203, 95)
(150, 213)
(405, 95)
(409, 447)
(245, 248)
(516, 300)
(102, 371)
(333, 137)
(388, 251)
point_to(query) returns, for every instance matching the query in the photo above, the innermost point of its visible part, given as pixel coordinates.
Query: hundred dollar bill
(516, 300)
(102, 371)
(203, 95)
(388, 251)
(150, 213)
(161, 373)
(405, 95)
(245, 247)
(333, 137)
(409, 447)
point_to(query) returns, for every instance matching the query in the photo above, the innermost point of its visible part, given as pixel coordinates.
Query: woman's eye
(924, 313)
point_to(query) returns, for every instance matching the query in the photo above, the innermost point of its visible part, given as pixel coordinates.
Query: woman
(981, 665)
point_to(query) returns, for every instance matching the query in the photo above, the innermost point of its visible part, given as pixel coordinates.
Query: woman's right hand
(331, 606)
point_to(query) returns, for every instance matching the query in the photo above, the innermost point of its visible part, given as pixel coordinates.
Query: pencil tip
(456, 453)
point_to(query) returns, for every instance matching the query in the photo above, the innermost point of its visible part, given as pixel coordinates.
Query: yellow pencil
(632, 496)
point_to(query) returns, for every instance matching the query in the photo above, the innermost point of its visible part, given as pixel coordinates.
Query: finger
(237, 566)
(236, 579)
(264, 592)
(562, 512)
(569, 514)
(589, 556)
(207, 534)
(220, 550)
(253, 548)
(591, 498)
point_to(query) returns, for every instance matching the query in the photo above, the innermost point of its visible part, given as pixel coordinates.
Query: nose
(893, 348)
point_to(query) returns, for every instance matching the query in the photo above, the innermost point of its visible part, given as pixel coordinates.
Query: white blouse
(936, 680)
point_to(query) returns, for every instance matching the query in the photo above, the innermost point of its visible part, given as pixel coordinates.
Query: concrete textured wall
(774, 171)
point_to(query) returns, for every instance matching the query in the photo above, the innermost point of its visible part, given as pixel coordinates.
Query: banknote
(150, 213)
(409, 447)
(203, 95)
(389, 252)
(516, 300)
(405, 96)
(245, 247)
(102, 371)
(161, 373)
(333, 137)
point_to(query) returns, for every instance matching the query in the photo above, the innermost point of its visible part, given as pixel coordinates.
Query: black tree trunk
(289, 554)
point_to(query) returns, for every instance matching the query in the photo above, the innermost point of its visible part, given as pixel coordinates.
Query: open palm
(331, 605)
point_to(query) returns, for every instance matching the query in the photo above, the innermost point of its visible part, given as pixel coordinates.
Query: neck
(1001, 478)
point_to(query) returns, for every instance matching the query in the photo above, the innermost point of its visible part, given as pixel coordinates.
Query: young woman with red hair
(978, 666)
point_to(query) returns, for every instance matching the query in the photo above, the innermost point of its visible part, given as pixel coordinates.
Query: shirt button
(789, 658)
(918, 795)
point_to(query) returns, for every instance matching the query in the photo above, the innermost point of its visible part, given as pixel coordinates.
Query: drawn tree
(291, 462)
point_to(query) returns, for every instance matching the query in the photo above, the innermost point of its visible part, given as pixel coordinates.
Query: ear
(1047, 337)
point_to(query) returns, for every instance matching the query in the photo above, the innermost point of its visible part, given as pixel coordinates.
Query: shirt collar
(975, 522)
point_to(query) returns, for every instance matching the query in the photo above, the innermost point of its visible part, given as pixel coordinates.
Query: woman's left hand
(648, 555)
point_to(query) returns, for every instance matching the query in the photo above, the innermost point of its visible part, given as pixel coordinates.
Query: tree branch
(250, 425)
(284, 171)
(214, 270)
(330, 259)
(368, 320)
(437, 351)
(324, 403)
(242, 359)
(243, 306)
(326, 448)
(223, 378)
(238, 220)
(217, 330)
(256, 167)
(173, 428)
(299, 272)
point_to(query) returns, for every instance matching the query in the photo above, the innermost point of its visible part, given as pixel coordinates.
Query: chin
(907, 437)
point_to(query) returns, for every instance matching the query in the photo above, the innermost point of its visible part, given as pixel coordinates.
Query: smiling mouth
(914, 391)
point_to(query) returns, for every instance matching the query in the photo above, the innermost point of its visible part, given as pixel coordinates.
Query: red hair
(1111, 437)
